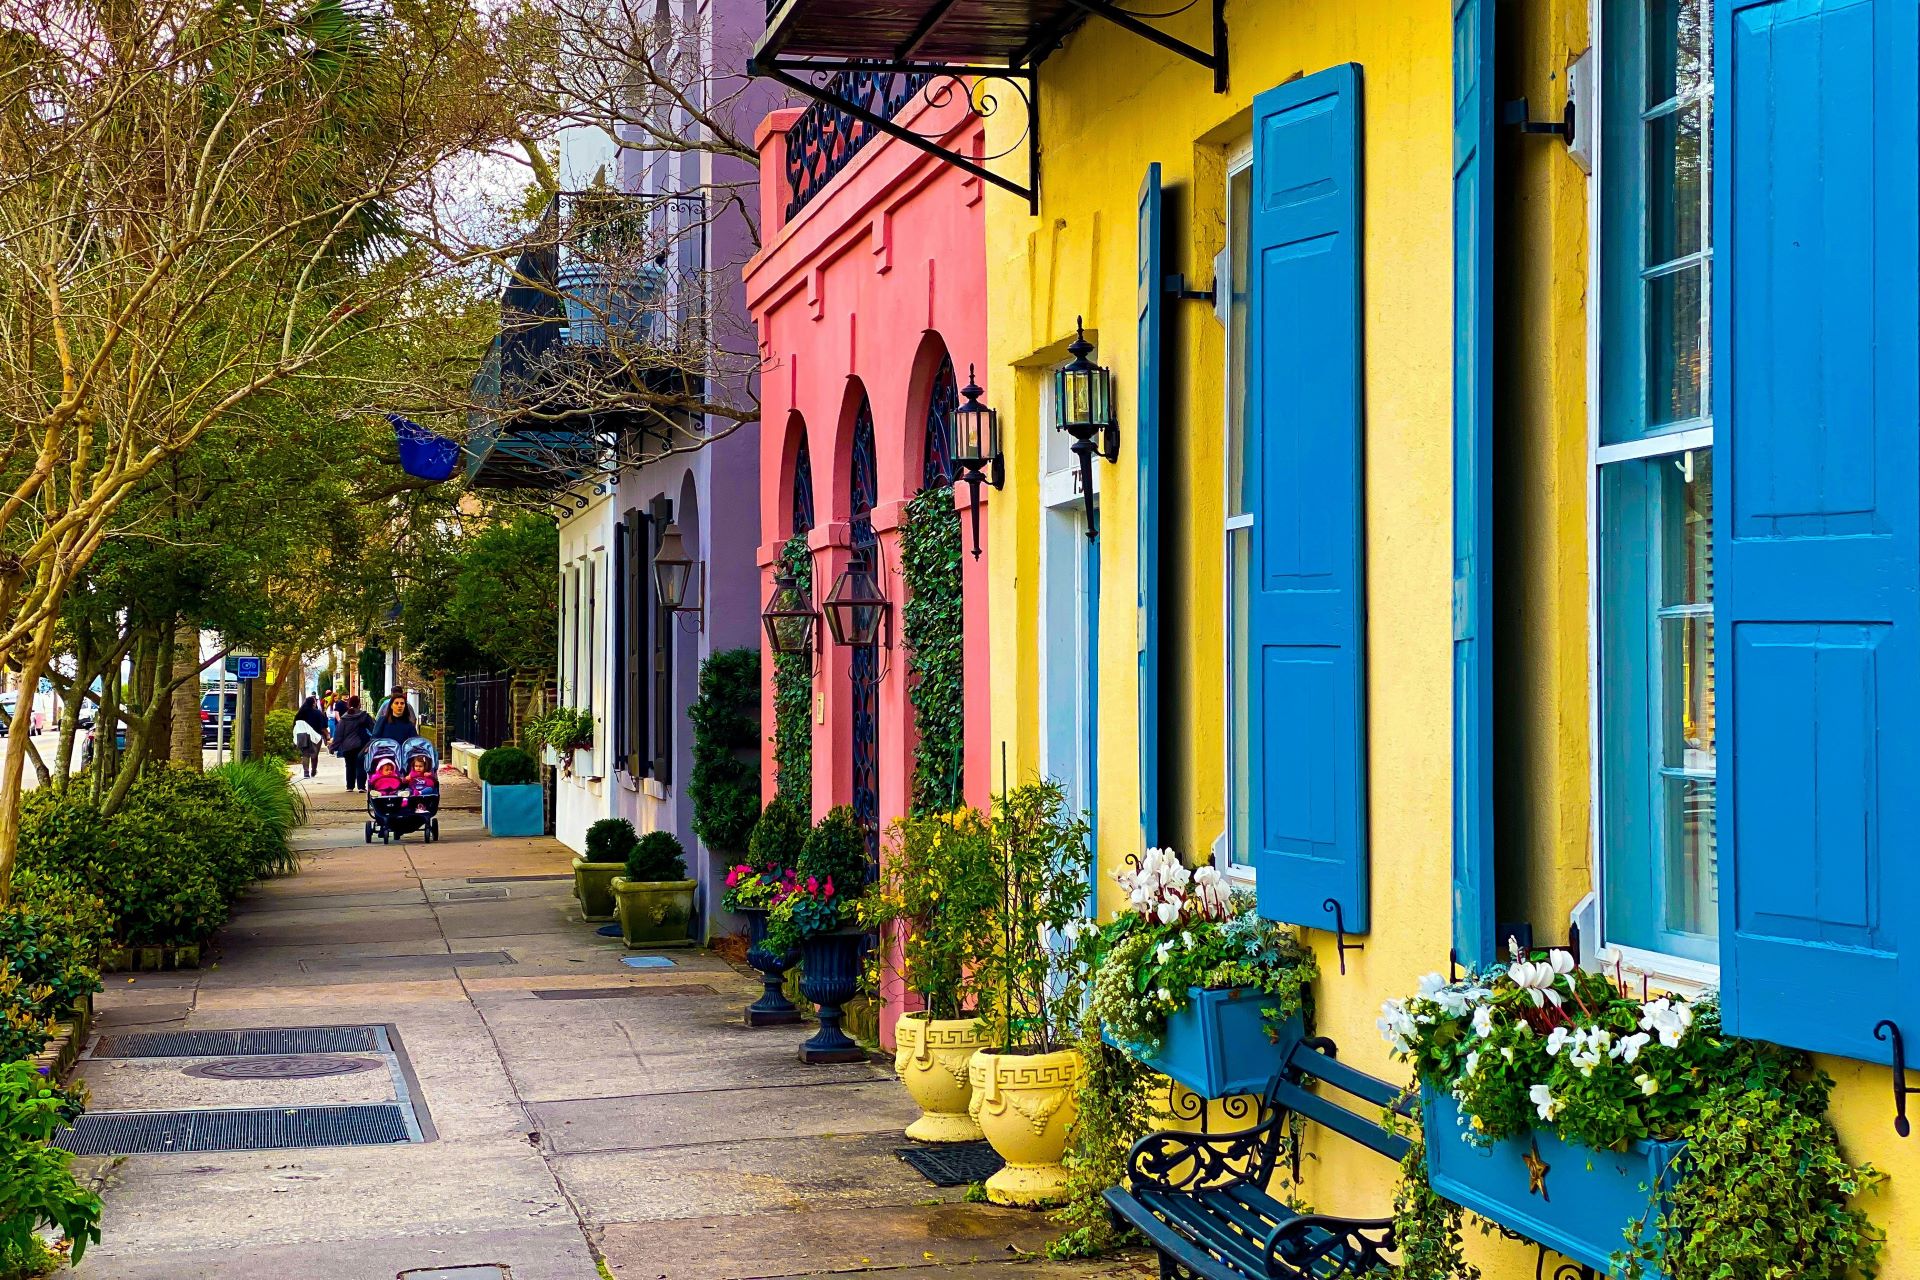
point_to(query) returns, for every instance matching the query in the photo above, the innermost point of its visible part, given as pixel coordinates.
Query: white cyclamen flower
(1396, 1027)
(1168, 912)
(1561, 962)
(1473, 1062)
(1536, 979)
(1648, 1085)
(1483, 1021)
(1543, 1101)
(1507, 1053)
(1669, 1019)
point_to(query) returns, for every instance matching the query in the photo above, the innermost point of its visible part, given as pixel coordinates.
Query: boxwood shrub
(508, 767)
(657, 856)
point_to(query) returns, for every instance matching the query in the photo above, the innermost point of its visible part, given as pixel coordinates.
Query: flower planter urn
(593, 885)
(931, 1056)
(1571, 1198)
(829, 977)
(772, 1009)
(653, 913)
(1025, 1105)
(1218, 1046)
(517, 809)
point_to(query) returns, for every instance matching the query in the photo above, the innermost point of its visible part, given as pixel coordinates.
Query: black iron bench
(1200, 1198)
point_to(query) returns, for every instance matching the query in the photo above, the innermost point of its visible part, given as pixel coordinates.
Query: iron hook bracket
(1175, 286)
(1340, 943)
(1888, 1029)
(1515, 115)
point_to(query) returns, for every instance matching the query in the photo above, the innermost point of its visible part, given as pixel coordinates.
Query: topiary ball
(610, 840)
(508, 767)
(836, 848)
(657, 856)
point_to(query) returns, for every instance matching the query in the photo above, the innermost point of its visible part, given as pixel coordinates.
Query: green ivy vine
(793, 697)
(725, 784)
(932, 625)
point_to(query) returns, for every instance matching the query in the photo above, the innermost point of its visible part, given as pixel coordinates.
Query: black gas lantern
(856, 610)
(674, 573)
(1083, 408)
(976, 449)
(789, 617)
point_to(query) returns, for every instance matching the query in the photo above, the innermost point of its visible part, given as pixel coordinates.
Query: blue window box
(1587, 1198)
(517, 810)
(1218, 1045)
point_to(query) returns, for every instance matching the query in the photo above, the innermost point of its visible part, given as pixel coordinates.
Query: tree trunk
(13, 761)
(185, 748)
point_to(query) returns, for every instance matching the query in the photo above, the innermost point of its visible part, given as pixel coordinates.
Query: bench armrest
(1178, 1161)
(1318, 1246)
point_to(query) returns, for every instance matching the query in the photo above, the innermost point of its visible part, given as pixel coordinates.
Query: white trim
(1651, 446)
(1676, 974)
(1239, 160)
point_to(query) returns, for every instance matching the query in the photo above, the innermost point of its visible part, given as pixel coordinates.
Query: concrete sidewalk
(584, 1117)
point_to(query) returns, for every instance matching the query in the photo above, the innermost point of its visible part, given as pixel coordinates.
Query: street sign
(246, 666)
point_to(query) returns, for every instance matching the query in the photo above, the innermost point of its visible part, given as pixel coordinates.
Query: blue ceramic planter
(517, 810)
(1584, 1201)
(772, 1009)
(1218, 1045)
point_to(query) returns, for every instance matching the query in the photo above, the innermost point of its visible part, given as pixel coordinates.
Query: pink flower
(813, 884)
(733, 877)
(829, 892)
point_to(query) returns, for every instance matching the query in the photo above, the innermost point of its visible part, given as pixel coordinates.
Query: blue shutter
(1817, 519)
(1307, 686)
(1473, 896)
(1146, 449)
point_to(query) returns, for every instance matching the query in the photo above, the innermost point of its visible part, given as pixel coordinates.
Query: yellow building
(1409, 549)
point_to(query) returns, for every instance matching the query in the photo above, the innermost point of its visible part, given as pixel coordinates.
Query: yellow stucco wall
(1111, 103)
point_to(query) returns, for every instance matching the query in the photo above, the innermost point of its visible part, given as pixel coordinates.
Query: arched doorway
(863, 668)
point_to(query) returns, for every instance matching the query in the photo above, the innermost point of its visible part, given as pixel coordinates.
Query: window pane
(1691, 889)
(1673, 185)
(1676, 65)
(1687, 651)
(1686, 553)
(1239, 656)
(1239, 216)
(1673, 346)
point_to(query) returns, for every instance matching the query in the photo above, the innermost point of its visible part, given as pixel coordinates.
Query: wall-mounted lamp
(976, 449)
(675, 573)
(1083, 408)
(855, 608)
(790, 617)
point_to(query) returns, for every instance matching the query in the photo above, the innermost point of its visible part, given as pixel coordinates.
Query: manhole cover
(126, 1133)
(306, 1066)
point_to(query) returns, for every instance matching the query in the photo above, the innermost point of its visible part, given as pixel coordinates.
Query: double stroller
(413, 805)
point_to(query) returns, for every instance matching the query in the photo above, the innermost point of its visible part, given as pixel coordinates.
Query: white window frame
(1659, 969)
(1239, 160)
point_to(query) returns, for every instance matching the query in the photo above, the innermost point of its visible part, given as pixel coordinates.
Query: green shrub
(836, 848)
(725, 784)
(657, 856)
(610, 840)
(778, 837)
(80, 913)
(39, 1189)
(279, 743)
(265, 791)
(51, 938)
(507, 767)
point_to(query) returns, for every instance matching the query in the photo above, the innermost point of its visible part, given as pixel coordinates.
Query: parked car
(86, 745)
(9, 703)
(210, 730)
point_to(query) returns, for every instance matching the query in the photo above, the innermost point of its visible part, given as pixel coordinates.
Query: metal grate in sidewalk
(99, 1133)
(239, 1044)
(957, 1165)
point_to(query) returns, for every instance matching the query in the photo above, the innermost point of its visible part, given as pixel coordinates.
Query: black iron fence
(827, 135)
(482, 710)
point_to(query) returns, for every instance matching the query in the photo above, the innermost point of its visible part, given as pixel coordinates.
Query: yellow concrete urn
(930, 1056)
(1024, 1103)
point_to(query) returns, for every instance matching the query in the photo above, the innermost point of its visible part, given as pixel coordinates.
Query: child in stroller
(400, 803)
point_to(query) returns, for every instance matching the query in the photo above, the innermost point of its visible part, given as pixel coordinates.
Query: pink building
(869, 293)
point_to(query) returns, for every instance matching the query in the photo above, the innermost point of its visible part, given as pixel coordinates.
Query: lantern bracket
(1175, 286)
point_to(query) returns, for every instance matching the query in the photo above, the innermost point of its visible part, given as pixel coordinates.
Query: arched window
(864, 490)
(803, 488)
(937, 469)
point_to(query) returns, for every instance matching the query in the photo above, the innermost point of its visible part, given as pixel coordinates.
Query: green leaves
(725, 785)
(793, 698)
(37, 1187)
(933, 627)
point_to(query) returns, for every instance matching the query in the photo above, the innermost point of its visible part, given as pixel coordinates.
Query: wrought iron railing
(827, 136)
(482, 710)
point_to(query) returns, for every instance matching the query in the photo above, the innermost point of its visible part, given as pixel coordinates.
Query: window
(1239, 510)
(1653, 578)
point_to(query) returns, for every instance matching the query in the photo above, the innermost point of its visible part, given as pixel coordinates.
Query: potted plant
(512, 801)
(654, 899)
(815, 915)
(773, 853)
(609, 841)
(933, 911)
(1023, 1087)
(1193, 983)
(1626, 1130)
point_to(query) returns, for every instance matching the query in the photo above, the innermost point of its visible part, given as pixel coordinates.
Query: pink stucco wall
(862, 292)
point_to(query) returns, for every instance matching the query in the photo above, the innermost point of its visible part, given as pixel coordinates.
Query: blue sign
(247, 666)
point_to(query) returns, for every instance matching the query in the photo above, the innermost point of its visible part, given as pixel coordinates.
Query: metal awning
(815, 46)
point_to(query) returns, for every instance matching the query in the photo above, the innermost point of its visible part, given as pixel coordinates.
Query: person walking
(356, 731)
(309, 734)
(396, 722)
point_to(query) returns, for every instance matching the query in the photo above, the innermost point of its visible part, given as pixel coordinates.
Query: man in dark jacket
(396, 722)
(356, 731)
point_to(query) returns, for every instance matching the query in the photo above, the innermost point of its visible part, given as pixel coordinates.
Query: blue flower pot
(1581, 1204)
(516, 810)
(1218, 1045)
(829, 977)
(772, 1009)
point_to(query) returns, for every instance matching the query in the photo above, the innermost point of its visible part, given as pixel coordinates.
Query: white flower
(1630, 1046)
(1543, 1101)
(1507, 1053)
(1536, 979)
(1648, 1085)
(1168, 912)
(1513, 947)
(1473, 1062)
(1431, 985)
(1166, 996)
(1561, 962)
(1396, 1027)
(1483, 1021)
(1072, 931)
(1557, 1040)
(1162, 951)
(1669, 1019)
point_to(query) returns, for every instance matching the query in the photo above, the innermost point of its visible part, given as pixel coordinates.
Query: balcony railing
(827, 136)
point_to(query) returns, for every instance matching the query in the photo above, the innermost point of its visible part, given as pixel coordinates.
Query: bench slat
(1214, 1228)
(1368, 1133)
(1324, 1066)
(1168, 1241)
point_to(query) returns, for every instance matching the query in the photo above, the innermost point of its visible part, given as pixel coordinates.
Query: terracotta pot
(931, 1057)
(1024, 1103)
